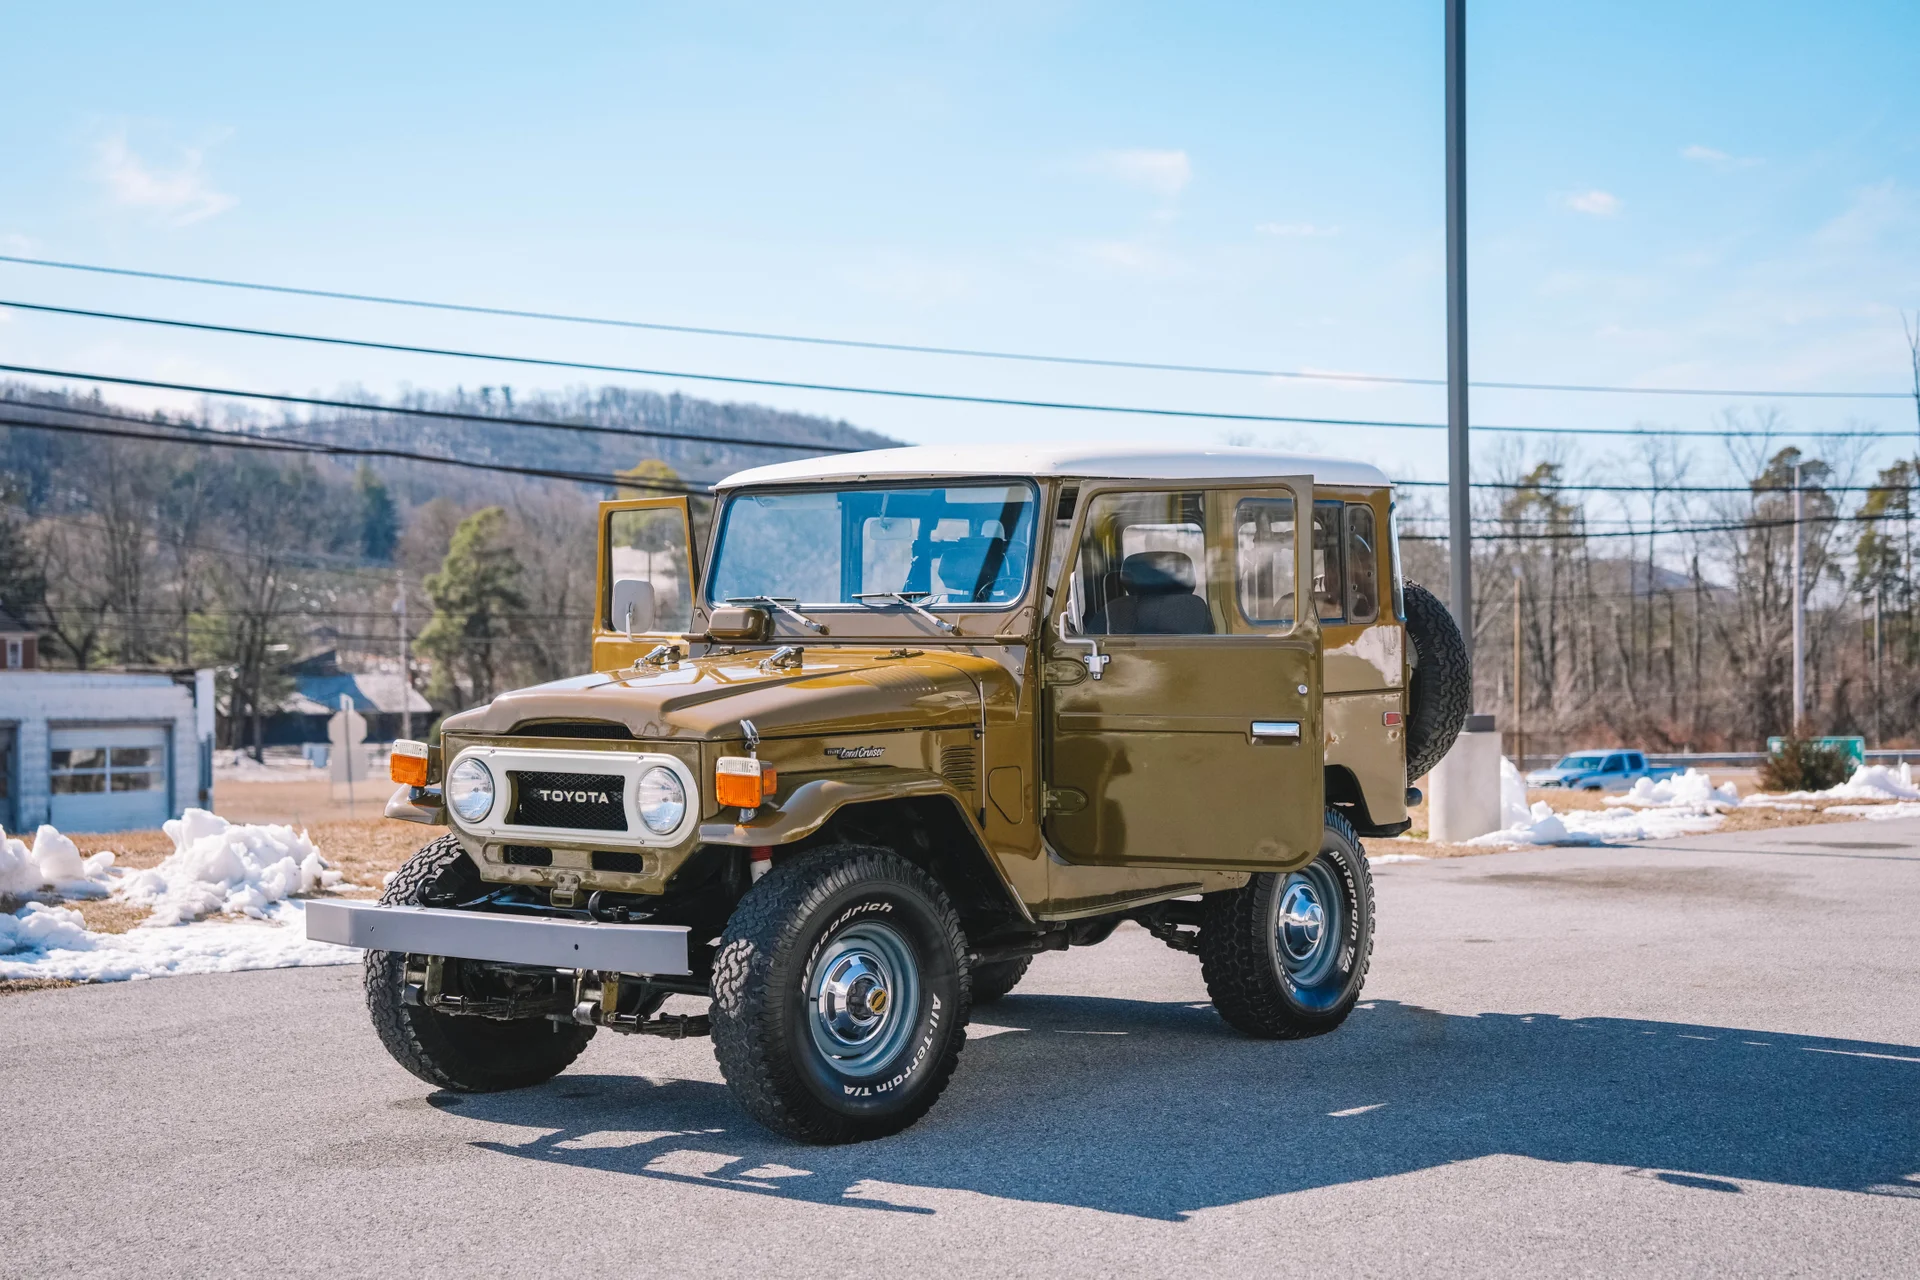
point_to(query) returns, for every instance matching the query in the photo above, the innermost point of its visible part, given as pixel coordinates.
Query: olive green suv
(901, 721)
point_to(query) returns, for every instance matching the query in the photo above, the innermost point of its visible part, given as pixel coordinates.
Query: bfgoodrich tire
(1285, 957)
(468, 1054)
(1441, 690)
(840, 995)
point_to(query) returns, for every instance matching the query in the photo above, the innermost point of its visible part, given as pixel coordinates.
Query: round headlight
(663, 801)
(470, 789)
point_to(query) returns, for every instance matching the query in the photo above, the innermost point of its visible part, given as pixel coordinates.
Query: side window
(1363, 565)
(1143, 566)
(1329, 589)
(1263, 559)
(1615, 764)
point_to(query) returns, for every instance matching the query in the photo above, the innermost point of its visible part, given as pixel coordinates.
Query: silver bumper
(479, 935)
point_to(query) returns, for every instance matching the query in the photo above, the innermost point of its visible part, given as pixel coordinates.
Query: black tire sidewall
(940, 1016)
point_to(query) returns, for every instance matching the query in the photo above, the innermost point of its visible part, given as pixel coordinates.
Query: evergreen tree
(476, 601)
(379, 520)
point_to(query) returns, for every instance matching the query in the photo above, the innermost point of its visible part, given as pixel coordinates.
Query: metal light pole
(1799, 609)
(1459, 510)
(406, 670)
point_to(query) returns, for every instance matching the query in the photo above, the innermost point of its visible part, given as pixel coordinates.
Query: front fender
(808, 807)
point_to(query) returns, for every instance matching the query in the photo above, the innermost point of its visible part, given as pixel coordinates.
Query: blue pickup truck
(1598, 771)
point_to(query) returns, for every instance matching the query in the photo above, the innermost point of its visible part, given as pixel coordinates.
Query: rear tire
(805, 1045)
(1441, 689)
(1286, 956)
(996, 978)
(468, 1054)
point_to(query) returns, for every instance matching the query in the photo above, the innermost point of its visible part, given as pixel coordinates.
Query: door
(109, 777)
(9, 778)
(1183, 686)
(647, 577)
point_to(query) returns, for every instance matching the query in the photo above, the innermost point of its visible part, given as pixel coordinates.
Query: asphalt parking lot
(1702, 1057)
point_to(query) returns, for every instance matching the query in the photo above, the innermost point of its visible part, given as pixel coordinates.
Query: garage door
(109, 778)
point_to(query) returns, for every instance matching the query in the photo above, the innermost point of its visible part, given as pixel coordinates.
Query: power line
(374, 407)
(900, 393)
(1581, 535)
(1153, 366)
(207, 437)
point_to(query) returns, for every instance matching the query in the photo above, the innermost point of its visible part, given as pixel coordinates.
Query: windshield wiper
(783, 604)
(915, 605)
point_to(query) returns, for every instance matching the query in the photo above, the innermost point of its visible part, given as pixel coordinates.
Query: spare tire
(1441, 690)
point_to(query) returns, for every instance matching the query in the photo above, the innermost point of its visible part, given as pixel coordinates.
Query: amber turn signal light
(408, 763)
(743, 781)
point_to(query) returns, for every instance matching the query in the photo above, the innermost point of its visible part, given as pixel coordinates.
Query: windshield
(1580, 762)
(939, 545)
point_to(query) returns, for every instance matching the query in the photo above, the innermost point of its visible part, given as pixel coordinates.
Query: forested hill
(32, 460)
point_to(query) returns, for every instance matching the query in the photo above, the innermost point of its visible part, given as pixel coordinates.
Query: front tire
(467, 1054)
(1285, 956)
(840, 995)
(996, 978)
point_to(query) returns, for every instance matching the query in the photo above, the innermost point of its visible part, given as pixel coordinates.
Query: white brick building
(104, 750)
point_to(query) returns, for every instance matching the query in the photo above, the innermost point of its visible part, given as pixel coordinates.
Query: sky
(1671, 194)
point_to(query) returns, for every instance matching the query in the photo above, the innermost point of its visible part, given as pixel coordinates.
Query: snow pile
(240, 766)
(1878, 812)
(53, 942)
(53, 863)
(1651, 811)
(235, 870)
(1513, 794)
(1599, 826)
(1692, 791)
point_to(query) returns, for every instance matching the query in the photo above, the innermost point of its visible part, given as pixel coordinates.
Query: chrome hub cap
(1309, 923)
(1303, 921)
(862, 994)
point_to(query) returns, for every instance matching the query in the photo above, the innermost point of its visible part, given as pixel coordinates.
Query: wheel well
(1344, 794)
(933, 832)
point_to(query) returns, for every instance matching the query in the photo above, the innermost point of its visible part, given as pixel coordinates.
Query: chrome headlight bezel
(470, 797)
(668, 801)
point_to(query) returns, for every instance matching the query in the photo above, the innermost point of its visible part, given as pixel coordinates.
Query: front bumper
(504, 939)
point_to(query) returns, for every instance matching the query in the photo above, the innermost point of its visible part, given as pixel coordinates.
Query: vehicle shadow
(1157, 1110)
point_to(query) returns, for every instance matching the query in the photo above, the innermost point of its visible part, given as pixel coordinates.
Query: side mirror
(739, 622)
(633, 607)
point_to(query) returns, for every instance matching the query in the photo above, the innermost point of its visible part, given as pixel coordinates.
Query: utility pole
(1519, 682)
(1459, 510)
(1799, 609)
(1879, 598)
(406, 668)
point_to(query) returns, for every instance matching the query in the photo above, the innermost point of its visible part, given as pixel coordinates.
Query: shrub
(1802, 764)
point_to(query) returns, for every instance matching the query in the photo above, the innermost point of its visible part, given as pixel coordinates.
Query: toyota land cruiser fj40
(907, 719)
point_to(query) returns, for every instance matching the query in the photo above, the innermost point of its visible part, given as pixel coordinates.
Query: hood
(833, 691)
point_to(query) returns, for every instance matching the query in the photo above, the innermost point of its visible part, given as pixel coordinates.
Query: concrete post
(1465, 800)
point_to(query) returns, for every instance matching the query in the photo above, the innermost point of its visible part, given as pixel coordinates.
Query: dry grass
(15, 986)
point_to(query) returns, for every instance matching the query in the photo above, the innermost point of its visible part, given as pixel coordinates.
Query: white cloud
(1601, 204)
(1303, 230)
(1715, 159)
(1165, 173)
(180, 195)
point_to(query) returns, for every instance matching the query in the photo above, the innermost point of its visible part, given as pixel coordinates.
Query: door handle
(1277, 731)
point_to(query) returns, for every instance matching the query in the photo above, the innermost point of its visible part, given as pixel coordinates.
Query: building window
(95, 770)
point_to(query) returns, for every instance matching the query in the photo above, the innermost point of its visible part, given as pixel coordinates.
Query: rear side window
(1329, 573)
(1263, 559)
(1363, 565)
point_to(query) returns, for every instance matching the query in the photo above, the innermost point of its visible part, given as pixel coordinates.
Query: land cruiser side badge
(856, 753)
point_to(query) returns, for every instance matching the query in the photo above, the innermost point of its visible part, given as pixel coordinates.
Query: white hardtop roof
(1140, 463)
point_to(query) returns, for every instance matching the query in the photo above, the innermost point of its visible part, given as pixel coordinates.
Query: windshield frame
(878, 610)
